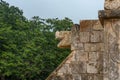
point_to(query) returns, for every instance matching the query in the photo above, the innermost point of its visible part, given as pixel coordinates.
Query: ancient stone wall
(95, 47)
(86, 59)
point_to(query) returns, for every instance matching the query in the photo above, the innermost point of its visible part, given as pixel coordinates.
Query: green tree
(51, 55)
(28, 47)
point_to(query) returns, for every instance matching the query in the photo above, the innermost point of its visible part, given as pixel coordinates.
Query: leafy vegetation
(28, 47)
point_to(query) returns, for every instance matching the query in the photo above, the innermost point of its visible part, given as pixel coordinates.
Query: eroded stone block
(81, 56)
(99, 77)
(93, 56)
(77, 76)
(95, 62)
(96, 36)
(91, 67)
(84, 76)
(68, 77)
(90, 77)
(84, 36)
(65, 69)
(77, 46)
(112, 4)
(70, 58)
(85, 25)
(97, 26)
(94, 47)
(89, 25)
(78, 67)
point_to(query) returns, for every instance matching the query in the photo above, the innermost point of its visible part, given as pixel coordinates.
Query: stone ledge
(108, 14)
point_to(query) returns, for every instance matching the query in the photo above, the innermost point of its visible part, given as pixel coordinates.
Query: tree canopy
(28, 47)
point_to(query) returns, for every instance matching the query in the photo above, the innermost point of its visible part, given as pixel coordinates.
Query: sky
(74, 9)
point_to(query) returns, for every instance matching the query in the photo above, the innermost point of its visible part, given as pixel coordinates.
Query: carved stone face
(64, 37)
(112, 4)
(59, 35)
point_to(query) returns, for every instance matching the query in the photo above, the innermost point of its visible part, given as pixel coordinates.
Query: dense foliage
(28, 47)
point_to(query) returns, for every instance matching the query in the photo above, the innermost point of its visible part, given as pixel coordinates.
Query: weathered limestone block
(94, 47)
(94, 56)
(97, 36)
(85, 25)
(62, 77)
(77, 55)
(80, 56)
(90, 77)
(88, 47)
(99, 77)
(78, 67)
(95, 62)
(84, 77)
(90, 25)
(70, 58)
(65, 37)
(76, 76)
(55, 77)
(91, 67)
(105, 77)
(68, 77)
(75, 40)
(94, 67)
(77, 46)
(84, 36)
(97, 26)
(112, 4)
(65, 69)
